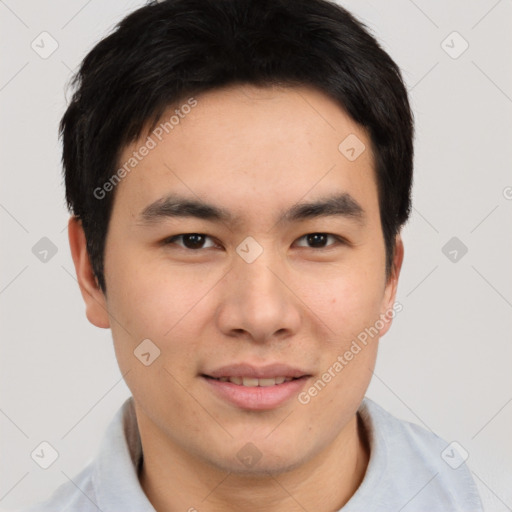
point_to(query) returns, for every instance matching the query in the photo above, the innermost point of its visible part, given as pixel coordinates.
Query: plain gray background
(446, 362)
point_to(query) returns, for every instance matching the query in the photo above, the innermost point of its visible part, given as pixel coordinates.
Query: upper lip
(256, 372)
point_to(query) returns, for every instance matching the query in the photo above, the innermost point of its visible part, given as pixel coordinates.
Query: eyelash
(339, 241)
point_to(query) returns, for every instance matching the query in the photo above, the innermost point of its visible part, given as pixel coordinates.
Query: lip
(257, 372)
(257, 398)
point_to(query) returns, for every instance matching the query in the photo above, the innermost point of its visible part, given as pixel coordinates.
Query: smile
(252, 382)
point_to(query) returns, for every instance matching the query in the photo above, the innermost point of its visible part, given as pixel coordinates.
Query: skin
(254, 151)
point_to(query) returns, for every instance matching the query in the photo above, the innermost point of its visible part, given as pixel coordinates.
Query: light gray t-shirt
(410, 470)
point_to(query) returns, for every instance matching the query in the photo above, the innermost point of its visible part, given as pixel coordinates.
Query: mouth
(256, 388)
(252, 382)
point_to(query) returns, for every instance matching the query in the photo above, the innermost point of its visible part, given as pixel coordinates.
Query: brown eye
(192, 241)
(319, 240)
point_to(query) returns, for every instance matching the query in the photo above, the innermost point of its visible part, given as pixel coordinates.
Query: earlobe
(388, 302)
(95, 303)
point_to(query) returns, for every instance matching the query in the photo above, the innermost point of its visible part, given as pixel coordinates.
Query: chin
(260, 466)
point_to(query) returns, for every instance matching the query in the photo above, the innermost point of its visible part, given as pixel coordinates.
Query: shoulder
(94, 485)
(75, 494)
(414, 467)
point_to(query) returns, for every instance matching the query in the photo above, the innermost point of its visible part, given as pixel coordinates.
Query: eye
(192, 241)
(318, 240)
(196, 241)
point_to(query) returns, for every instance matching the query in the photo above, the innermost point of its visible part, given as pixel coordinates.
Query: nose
(258, 301)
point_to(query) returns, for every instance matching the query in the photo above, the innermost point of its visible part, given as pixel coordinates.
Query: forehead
(251, 149)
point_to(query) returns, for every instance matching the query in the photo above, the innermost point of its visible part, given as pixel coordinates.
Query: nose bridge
(257, 300)
(255, 269)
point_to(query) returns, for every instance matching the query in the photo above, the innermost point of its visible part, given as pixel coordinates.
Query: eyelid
(339, 241)
(171, 240)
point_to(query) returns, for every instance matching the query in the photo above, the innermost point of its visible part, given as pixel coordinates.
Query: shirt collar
(115, 477)
(115, 474)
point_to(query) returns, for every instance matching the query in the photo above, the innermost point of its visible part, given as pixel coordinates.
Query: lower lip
(257, 398)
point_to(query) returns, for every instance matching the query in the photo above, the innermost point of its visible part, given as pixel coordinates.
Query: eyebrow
(176, 206)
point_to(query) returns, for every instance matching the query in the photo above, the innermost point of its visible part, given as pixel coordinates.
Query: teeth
(252, 382)
(266, 382)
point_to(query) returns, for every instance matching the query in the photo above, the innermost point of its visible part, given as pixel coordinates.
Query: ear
(388, 301)
(95, 302)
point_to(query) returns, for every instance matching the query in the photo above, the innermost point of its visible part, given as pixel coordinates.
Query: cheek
(147, 293)
(152, 304)
(145, 301)
(349, 308)
(150, 298)
(347, 298)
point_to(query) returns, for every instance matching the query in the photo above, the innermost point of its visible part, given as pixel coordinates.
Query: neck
(324, 483)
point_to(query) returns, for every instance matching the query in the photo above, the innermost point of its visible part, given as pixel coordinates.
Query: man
(238, 173)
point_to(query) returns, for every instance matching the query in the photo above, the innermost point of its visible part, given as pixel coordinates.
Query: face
(253, 290)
